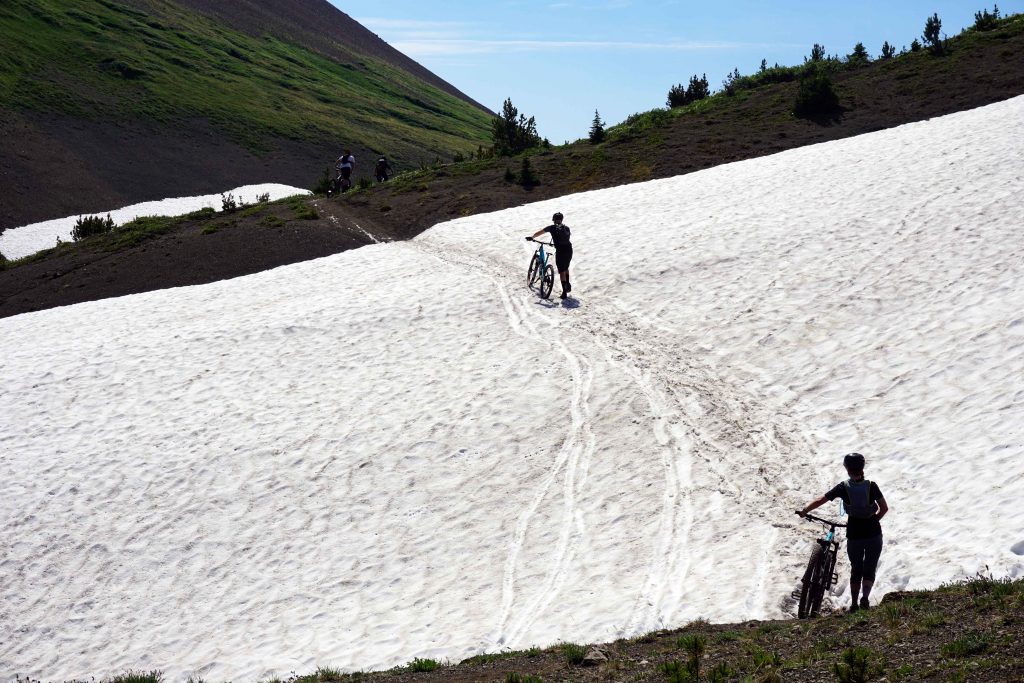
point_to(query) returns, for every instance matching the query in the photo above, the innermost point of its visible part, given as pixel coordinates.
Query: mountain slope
(113, 102)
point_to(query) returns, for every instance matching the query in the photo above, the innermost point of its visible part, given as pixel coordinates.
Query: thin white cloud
(434, 47)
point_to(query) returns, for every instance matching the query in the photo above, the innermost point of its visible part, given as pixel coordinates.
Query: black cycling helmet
(854, 462)
(557, 218)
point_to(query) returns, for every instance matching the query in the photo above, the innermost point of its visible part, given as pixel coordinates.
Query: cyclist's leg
(855, 549)
(872, 551)
(562, 259)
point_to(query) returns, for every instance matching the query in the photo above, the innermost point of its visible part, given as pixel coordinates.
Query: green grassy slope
(99, 59)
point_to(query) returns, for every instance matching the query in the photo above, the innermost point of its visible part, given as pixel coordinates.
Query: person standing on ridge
(866, 507)
(382, 169)
(346, 166)
(560, 235)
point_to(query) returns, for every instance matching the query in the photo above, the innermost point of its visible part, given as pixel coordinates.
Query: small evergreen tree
(859, 56)
(512, 132)
(983, 21)
(888, 51)
(597, 129)
(817, 53)
(933, 34)
(698, 89)
(731, 81)
(677, 96)
(764, 65)
(87, 226)
(915, 45)
(527, 178)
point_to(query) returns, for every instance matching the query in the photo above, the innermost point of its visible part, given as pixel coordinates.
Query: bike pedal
(835, 577)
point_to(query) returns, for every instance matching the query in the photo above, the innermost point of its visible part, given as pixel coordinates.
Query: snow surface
(28, 239)
(401, 452)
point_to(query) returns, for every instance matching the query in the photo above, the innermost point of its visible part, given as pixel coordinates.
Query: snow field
(400, 452)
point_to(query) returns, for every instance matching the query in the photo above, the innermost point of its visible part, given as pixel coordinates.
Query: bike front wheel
(547, 282)
(533, 271)
(811, 591)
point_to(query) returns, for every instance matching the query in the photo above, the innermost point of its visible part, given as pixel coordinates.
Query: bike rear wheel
(811, 591)
(547, 282)
(533, 272)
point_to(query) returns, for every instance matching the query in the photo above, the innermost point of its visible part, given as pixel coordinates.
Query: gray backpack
(859, 493)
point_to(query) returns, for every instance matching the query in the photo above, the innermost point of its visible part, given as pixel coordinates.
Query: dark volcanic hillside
(104, 103)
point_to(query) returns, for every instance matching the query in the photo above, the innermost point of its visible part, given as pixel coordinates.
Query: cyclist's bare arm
(538, 233)
(813, 505)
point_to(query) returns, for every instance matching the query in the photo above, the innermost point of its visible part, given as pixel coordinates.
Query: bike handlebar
(823, 521)
(545, 244)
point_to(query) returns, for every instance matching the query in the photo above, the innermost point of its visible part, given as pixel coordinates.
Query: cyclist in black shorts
(563, 249)
(866, 507)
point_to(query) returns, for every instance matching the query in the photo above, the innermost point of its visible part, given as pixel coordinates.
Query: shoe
(864, 604)
(568, 286)
(853, 608)
(565, 295)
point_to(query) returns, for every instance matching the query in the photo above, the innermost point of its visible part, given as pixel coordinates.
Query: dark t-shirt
(560, 236)
(859, 528)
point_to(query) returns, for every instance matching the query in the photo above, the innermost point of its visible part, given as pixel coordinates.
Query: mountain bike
(820, 574)
(541, 270)
(339, 183)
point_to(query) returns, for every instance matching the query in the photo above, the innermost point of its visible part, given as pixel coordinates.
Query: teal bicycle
(541, 273)
(820, 574)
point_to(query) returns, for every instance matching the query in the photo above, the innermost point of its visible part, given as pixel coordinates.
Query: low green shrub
(967, 645)
(137, 677)
(521, 678)
(205, 212)
(856, 665)
(323, 183)
(816, 97)
(423, 665)
(574, 652)
(305, 212)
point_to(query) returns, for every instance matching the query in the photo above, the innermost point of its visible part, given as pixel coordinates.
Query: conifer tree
(597, 129)
(512, 132)
(859, 55)
(888, 51)
(932, 33)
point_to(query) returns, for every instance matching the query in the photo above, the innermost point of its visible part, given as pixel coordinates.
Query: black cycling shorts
(346, 172)
(563, 255)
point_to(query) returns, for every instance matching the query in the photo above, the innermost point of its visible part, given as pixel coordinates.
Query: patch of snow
(28, 239)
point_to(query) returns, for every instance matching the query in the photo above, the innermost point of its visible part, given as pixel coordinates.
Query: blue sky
(559, 60)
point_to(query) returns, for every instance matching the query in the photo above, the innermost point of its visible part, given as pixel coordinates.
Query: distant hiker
(346, 165)
(563, 249)
(866, 507)
(382, 169)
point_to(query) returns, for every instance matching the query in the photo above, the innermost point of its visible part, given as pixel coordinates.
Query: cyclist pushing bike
(560, 235)
(345, 165)
(866, 507)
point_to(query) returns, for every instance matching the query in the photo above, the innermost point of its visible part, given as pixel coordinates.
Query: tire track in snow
(572, 463)
(707, 428)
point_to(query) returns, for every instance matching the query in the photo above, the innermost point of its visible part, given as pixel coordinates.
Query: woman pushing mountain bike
(866, 507)
(560, 235)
